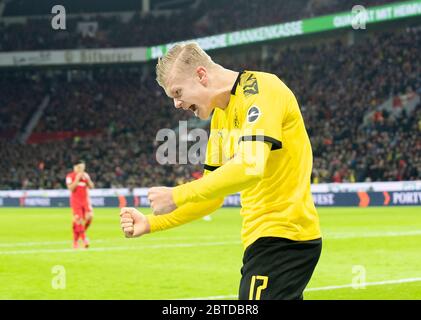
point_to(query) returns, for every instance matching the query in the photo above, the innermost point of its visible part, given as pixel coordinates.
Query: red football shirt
(79, 196)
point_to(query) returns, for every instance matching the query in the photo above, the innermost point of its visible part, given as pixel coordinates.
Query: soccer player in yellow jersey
(270, 163)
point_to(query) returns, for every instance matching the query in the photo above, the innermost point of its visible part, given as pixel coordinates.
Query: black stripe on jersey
(236, 83)
(276, 144)
(210, 168)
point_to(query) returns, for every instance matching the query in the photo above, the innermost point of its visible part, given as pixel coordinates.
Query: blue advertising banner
(327, 199)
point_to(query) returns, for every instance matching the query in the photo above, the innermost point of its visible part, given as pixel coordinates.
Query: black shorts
(278, 268)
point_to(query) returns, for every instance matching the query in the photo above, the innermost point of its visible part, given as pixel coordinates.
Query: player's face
(191, 92)
(79, 167)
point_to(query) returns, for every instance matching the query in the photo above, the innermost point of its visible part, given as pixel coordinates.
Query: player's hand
(133, 223)
(79, 176)
(161, 200)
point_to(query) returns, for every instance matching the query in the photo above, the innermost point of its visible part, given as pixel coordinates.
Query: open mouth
(193, 108)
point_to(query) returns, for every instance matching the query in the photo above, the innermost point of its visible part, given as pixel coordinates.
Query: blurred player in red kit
(78, 182)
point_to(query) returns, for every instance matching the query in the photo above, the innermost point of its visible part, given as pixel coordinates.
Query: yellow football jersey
(263, 108)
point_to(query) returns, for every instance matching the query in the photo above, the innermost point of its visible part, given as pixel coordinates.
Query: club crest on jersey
(253, 114)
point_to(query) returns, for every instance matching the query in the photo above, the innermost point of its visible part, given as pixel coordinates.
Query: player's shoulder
(70, 175)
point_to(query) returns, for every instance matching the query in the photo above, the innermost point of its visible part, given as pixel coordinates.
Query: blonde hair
(185, 57)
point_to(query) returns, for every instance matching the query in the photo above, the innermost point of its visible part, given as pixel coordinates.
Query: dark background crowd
(201, 18)
(114, 112)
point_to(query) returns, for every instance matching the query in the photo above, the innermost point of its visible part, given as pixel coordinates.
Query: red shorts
(81, 211)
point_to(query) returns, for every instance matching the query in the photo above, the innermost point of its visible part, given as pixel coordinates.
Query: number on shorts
(260, 288)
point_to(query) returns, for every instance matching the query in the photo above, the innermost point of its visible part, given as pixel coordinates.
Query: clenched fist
(133, 223)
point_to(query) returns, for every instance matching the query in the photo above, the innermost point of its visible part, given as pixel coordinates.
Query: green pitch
(380, 247)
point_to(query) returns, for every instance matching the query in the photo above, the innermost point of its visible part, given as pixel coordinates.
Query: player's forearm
(72, 186)
(241, 172)
(183, 214)
(88, 180)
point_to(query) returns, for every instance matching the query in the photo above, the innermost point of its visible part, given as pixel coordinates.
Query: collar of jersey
(236, 83)
(233, 91)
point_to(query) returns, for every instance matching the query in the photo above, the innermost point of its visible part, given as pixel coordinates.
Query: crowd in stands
(338, 91)
(208, 18)
(123, 111)
(111, 161)
(19, 98)
(335, 93)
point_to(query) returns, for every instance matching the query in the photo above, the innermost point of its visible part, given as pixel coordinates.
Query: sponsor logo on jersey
(250, 86)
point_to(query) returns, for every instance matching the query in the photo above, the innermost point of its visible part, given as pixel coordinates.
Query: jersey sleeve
(264, 110)
(184, 214)
(245, 169)
(213, 159)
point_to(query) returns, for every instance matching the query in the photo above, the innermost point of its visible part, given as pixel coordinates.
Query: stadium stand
(123, 109)
(139, 29)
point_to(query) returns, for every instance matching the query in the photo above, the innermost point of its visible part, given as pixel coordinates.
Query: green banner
(357, 18)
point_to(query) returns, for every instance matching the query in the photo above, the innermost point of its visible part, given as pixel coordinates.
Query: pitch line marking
(120, 239)
(121, 248)
(327, 236)
(367, 284)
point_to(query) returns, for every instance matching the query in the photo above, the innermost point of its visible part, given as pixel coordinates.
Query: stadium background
(65, 95)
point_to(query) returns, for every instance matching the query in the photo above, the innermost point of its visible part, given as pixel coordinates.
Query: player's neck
(224, 80)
